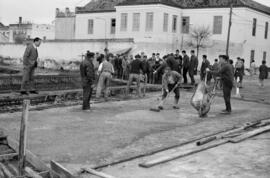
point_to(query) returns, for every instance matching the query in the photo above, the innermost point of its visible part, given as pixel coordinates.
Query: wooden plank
(23, 136)
(7, 157)
(177, 155)
(61, 171)
(250, 134)
(30, 157)
(13, 168)
(5, 170)
(97, 173)
(32, 173)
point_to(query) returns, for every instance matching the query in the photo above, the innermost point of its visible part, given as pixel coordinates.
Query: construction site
(123, 138)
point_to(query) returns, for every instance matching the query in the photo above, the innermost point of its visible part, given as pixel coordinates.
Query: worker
(193, 65)
(226, 74)
(171, 81)
(87, 71)
(29, 65)
(105, 72)
(136, 66)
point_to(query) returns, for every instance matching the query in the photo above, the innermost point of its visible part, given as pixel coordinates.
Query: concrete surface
(247, 159)
(117, 130)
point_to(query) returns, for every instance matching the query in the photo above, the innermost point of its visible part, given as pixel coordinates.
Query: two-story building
(165, 25)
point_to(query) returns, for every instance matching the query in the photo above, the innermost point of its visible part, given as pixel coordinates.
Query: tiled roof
(109, 5)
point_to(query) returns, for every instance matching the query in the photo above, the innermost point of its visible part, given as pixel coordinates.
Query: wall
(65, 50)
(65, 28)
(99, 25)
(43, 30)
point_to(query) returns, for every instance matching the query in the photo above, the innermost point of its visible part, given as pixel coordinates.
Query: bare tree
(198, 38)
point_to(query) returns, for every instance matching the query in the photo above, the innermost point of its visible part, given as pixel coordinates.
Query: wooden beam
(97, 173)
(32, 173)
(61, 171)
(5, 170)
(13, 168)
(176, 155)
(250, 134)
(23, 131)
(7, 157)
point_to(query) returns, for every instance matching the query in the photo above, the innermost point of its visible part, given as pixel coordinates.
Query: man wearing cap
(226, 75)
(29, 65)
(87, 71)
(136, 66)
(105, 72)
(171, 81)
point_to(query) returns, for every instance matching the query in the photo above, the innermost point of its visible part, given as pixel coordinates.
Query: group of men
(169, 70)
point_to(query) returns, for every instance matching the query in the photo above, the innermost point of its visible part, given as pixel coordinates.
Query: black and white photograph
(134, 89)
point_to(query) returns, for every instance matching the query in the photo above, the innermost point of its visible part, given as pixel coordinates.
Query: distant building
(64, 24)
(27, 30)
(166, 25)
(4, 33)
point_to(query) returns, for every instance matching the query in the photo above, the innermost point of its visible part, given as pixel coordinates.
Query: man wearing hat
(226, 75)
(87, 71)
(136, 66)
(171, 81)
(29, 65)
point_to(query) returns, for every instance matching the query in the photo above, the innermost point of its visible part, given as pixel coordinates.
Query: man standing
(151, 61)
(193, 64)
(105, 72)
(239, 71)
(87, 71)
(185, 66)
(29, 65)
(226, 75)
(179, 59)
(204, 66)
(171, 81)
(136, 67)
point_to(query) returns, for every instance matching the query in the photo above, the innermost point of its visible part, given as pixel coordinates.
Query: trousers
(103, 84)
(227, 89)
(137, 78)
(28, 79)
(87, 93)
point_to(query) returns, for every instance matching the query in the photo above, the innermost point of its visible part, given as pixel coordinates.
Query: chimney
(67, 12)
(57, 12)
(20, 20)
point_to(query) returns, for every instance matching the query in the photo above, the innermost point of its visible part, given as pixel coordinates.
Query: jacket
(193, 63)
(263, 72)
(136, 66)
(185, 62)
(87, 72)
(30, 56)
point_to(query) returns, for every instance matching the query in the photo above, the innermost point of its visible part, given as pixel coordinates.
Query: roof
(109, 5)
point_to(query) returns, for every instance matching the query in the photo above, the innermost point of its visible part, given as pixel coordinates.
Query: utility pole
(229, 31)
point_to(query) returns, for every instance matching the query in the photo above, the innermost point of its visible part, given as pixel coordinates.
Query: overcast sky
(42, 11)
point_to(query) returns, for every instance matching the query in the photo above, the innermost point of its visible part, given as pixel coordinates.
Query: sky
(42, 11)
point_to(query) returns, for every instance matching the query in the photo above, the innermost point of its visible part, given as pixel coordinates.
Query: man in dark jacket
(87, 71)
(179, 59)
(226, 74)
(136, 66)
(185, 66)
(204, 66)
(168, 62)
(193, 64)
(29, 65)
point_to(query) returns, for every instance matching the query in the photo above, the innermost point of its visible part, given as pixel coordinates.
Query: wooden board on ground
(61, 171)
(97, 173)
(7, 157)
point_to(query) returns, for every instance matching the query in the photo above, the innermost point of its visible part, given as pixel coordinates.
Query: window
(185, 24)
(165, 22)
(124, 19)
(266, 30)
(90, 26)
(217, 28)
(136, 22)
(113, 24)
(252, 55)
(264, 56)
(254, 27)
(174, 23)
(149, 21)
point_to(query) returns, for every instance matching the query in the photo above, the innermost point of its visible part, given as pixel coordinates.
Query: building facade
(166, 25)
(64, 24)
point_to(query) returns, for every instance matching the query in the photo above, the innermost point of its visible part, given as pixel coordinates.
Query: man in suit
(87, 71)
(179, 59)
(185, 66)
(29, 65)
(204, 66)
(193, 64)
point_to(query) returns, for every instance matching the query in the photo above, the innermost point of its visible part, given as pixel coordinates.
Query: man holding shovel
(170, 83)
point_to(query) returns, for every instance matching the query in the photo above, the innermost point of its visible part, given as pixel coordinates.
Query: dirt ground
(118, 130)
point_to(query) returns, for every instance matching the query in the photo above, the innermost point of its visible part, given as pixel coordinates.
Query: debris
(97, 173)
(32, 173)
(60, 170)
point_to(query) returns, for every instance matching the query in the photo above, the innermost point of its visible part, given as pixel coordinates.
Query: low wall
(65, 50)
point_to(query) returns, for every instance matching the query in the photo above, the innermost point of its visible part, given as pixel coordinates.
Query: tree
(198, 38)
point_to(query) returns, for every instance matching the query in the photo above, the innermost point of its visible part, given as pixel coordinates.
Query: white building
(165, 25)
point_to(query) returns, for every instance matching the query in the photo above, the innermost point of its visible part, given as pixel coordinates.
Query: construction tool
(157, 109)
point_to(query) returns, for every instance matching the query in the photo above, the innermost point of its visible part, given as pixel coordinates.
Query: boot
(176, 106)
